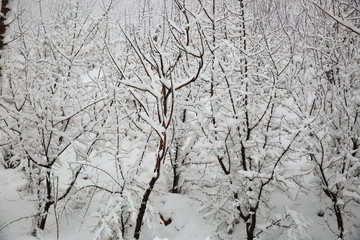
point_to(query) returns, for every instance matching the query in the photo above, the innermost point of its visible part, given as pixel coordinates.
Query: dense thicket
(231, 102)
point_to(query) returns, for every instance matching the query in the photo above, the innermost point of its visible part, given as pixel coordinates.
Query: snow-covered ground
(182, 211)
(178, 216)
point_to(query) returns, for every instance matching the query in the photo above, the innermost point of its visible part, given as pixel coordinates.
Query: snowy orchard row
(246, 111)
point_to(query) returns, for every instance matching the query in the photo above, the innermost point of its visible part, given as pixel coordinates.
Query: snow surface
(186, 221)
(13, 206)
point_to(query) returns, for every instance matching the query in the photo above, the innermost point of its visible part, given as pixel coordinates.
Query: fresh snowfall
(180, 120)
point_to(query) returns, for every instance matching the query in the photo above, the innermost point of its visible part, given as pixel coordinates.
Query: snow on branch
(341, 21)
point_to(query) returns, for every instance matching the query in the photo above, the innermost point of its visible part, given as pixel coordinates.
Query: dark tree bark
(145, 199)
(48, 203)
(3, 25)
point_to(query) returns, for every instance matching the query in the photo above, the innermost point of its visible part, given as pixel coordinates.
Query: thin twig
(16, 220)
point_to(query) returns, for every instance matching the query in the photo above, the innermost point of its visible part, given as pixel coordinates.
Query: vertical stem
(160, 157)
(48, 202)
(4, 12)
(145, 198)
(142, 209)
(339, 220)
(56, 187)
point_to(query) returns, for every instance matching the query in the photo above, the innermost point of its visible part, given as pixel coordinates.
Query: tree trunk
(250, 227)
(4, 12)
(142, 209)
(145, 199)
(44, 212)
(176, 172)
(339, 220)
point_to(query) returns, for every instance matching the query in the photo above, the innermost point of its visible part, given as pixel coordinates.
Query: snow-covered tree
(247, 131)
(3, 24)
(326, 103)
(154, 78)
(49, 106)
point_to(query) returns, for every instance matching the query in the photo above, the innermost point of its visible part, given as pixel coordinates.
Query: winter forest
(180, 119)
